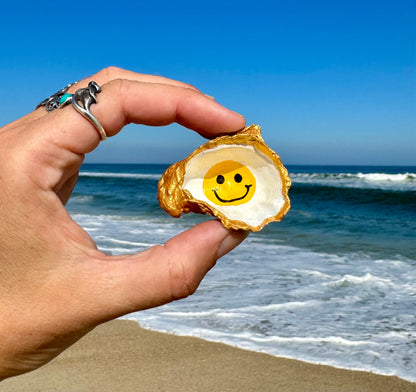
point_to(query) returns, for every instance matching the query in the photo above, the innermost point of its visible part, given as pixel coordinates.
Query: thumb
(163, 273)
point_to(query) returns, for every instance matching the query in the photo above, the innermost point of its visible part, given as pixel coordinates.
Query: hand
(55, 285)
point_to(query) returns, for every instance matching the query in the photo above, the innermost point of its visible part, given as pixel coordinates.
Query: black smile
(231, 200)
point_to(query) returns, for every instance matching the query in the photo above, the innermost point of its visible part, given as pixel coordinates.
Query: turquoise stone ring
(65, 99)
(55, 100)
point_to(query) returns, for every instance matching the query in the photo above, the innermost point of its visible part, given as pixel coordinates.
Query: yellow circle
(229, 183)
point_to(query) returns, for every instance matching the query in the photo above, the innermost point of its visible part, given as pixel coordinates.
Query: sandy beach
(121, 356)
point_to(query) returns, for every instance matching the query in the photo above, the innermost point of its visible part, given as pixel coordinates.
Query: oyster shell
(237, 178)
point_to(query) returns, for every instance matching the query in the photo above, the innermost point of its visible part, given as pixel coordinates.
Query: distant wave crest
(395, 182)
(139, 176)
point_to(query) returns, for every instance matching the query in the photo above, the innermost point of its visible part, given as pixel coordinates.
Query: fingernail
(234, 238)
(210, 97)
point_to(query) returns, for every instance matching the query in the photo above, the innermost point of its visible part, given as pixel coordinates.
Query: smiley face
(229, 183)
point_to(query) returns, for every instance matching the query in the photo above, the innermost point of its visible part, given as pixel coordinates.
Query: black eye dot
(220, 179)
(238, 178)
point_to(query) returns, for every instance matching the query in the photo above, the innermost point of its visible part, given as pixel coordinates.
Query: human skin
(55, 285)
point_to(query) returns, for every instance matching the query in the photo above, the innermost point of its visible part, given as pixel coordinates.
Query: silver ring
(86, 96)
(81, 101)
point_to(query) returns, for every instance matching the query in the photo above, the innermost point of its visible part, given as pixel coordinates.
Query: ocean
(333, 283)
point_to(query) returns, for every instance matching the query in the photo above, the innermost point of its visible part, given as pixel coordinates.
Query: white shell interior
(268, 198)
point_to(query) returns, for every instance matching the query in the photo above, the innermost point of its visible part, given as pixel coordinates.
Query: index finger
(125, 101)
(101, 77)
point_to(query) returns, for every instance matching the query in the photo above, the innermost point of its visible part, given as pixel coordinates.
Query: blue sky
(330, 82)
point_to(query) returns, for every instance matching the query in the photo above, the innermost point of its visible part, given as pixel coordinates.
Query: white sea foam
(117, 251)
(82, 198)
(243, 311)
(316, 274)
(349, 311)
(278, 307)
(331, 350)
(128, 243)
(192, 314)
(357, 280)
(383, 177)
(398, 335)
(333, 340)
(322, 323)
(395, 182)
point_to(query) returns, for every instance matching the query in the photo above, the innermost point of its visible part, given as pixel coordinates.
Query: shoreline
(208, 340)
(122, 356)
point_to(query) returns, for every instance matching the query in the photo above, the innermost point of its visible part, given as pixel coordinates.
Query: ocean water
(333, 283)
